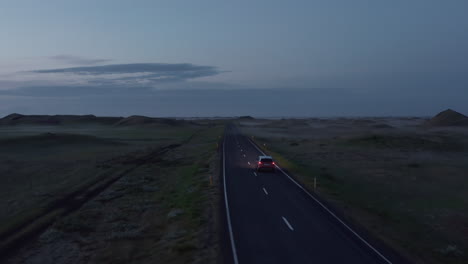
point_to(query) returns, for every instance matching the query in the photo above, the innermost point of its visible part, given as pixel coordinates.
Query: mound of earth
(363, 122)
(18, 119)
(382, 126)
(448, 117)
(136, 120)
(405, 142)
(286, 123)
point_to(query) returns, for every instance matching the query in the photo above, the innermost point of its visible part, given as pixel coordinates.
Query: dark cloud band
(134, 74)
(185, 69)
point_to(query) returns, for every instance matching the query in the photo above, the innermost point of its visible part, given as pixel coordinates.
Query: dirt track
(31, 227)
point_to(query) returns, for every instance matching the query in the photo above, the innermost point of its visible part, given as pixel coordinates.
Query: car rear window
(267, 160)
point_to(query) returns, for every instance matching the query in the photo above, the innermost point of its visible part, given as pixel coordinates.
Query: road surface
(270, 218)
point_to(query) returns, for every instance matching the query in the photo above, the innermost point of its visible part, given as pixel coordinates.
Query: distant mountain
(136, 120)
(448, 117)
(18, 119)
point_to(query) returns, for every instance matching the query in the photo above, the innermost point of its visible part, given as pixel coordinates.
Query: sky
(229, 58)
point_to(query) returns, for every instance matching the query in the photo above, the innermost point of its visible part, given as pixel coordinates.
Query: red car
(265, 163)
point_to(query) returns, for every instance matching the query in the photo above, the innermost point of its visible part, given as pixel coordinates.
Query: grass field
(37, 163)
(142, 193)
(405, 183)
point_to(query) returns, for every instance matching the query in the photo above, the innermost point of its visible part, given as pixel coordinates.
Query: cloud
(152, 75)
(70, 59)
(159, 69)
(133, 74)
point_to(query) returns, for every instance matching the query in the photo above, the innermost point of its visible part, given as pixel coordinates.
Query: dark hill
(18, 119)
(55, 139)
(136, 120)
(448, 117)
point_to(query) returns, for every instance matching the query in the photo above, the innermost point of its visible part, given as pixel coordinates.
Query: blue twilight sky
(212, 58)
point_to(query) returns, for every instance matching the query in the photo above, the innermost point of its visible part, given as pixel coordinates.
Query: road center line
(248, 162)
(265, 191)
(255, 174)
(326, 209)
(287, 223)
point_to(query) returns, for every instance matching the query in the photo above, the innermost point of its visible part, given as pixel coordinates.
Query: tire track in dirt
(15, 237)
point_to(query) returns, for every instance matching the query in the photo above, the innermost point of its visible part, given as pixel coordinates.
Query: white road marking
(328, 210)
(287, 223)
(265, 191)
(233, 246)
(244, 156)
(248, 162)
(255, 174)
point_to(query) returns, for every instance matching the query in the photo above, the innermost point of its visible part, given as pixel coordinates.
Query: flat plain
(85, 189)
(133, 190)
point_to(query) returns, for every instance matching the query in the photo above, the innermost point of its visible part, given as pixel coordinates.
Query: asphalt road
(272, 219)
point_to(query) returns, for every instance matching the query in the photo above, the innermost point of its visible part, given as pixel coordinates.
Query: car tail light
(259, 163)
(273, 163)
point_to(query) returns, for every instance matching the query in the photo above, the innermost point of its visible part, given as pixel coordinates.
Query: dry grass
(129, 221)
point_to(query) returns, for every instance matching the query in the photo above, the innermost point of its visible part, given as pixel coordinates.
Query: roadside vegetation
(403, 181)
(127, 193)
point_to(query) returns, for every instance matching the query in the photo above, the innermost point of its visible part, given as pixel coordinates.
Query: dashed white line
(265, 191)
(244, 156)
(287, 223)
(255, 174)
(328, 210)
(248, 162)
